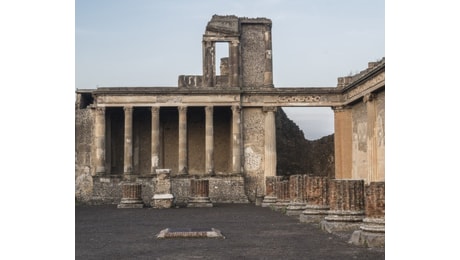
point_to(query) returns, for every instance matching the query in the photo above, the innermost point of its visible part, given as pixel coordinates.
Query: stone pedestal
(282, 195)
(163, 197)
(296, 195)
(270, 188)
(346, 201)
(199, 190)
(316, 190)
(372, 231)
(131, 196)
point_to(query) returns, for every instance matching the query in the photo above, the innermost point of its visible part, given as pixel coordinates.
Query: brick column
(282, 194)
(372, 232)
(199, 190)
(236, 139)
(131, 196)
(155, 161)
(316, 196)
(270, 191)
(296, 194)
(128, 145)
(270, 141)
(209, 140)
(99, 140)
(346, 201)
(182, 140)
(342, 142)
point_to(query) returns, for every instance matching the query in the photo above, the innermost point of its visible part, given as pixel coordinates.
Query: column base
(313, 214)
(162, 201)
(342, 221)
(280, 205)
(199, 202)
(371, 233)
(295, 208)
(268, 201)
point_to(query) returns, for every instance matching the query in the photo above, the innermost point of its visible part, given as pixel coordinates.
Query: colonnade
(100, 143)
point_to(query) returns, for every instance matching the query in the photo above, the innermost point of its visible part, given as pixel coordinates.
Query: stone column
(346, 201)
(270, 191)
(131, 196)
(270, 141)
(316, 192)
(236, 139)
(155, 161)
(369, 100)
(296, 192)
(182, 140)
(268, 73)
(163, 197)
(99, 140)
(372, 232)
(342, 142)
(199, 190)
(209, 140)
(128, 145)
(209, 60)
(234, 63)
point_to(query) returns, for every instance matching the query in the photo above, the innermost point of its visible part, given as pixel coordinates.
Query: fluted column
(270, 141)
(128, 144)
(209, 140)
(236, 139)
(155, 161)
(296, 194)
(342, 142)
(369, 100)
(182, 140)
(131, 196)
(199, 193)
(99, 140)
(270, 191)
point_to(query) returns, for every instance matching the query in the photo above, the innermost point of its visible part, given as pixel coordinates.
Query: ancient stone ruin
(213, 139)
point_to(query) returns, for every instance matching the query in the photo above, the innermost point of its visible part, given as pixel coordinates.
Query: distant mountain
(297, 155)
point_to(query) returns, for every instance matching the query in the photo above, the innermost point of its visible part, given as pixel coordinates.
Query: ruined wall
(253, 55)
(196, 140)
(380, 125)
(142, 136)
(222, 140)
(254, 134)
(84, 121)
(169, 123)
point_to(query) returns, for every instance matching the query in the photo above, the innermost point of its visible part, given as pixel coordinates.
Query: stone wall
(253, 55)
(84, 122)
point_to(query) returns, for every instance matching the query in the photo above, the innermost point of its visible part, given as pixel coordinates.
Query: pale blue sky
(150, 43)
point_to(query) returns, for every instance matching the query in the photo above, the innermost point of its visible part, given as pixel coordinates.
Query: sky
(150, 43)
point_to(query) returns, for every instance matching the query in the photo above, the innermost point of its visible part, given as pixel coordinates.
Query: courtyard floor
(105, 232)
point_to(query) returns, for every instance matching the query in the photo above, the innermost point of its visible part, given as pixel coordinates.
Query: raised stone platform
(190, 233)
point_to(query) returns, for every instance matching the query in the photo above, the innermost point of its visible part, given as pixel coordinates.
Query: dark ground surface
(105, 232)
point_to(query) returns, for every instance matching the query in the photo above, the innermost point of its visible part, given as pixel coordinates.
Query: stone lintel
(162, 196)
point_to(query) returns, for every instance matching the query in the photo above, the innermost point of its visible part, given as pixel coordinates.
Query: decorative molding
(299, 99)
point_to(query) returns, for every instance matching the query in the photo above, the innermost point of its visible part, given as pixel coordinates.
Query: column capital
(209, 108)
(155, 109)
(340, 108)
(369, 97)
(100, 109)
(236, 108)
(182, 108)
(269, 109)
(128, 108)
